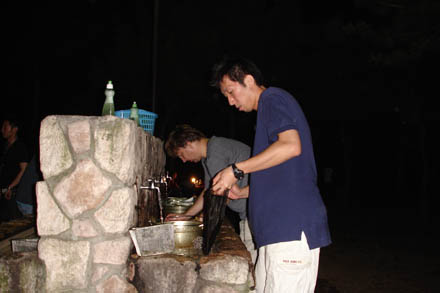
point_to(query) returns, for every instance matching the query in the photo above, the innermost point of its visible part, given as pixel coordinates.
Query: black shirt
(10, 162)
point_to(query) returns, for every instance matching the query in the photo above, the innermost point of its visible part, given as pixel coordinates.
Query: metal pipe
(151, 186)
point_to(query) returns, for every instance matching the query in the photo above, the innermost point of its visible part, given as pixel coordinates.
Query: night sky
(365, 73)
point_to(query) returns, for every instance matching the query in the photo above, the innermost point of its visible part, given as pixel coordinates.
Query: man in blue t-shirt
(286, 212)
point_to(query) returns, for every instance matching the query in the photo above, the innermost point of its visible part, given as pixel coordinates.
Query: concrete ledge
(226, 269)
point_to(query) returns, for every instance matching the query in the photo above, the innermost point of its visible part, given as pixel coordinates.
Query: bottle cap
(109, 85)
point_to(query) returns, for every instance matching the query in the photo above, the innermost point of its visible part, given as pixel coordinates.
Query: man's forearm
(286, 147)
(197, 207)
(17, 178)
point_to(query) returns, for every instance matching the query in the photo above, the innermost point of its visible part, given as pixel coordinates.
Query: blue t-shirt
(285, 200)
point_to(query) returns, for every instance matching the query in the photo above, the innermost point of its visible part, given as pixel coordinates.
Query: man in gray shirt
(215, 154)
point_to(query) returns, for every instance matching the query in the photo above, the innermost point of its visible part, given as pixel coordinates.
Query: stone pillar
(86, 204)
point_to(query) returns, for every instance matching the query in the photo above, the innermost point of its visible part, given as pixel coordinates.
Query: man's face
(7, 130)
(189, 153)
(238, 95)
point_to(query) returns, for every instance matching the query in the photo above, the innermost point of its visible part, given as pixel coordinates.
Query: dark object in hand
(214, 208)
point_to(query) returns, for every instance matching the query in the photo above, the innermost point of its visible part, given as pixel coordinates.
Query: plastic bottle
(134, 113)
(109, 105)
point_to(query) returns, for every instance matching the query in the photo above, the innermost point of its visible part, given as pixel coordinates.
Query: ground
(395, 258)
(15, 229)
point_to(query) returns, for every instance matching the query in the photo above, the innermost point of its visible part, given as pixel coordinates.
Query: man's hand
(224, 180)
(177, 217)
(237, 192)
(8, 194)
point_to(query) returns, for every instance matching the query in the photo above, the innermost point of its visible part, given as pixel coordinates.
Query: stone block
(164, 275)
(55, 156)
(98, 272)
(84, 189)
(227, 269)
(114, 251)
(66, 263)
(22, 272)
(115, 216)
(219, 288)
(115, 284)
(140, 149)
(79, 135)
(50, 219)
(115, 141)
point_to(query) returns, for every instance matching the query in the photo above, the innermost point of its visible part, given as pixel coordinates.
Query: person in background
(287, 215)
(26, 196)
(13, 163)
(215, 153)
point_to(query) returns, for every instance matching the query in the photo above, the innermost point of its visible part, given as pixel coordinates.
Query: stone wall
(92, 168)
(89, 199)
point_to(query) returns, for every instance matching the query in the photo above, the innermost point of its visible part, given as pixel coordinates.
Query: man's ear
(189, 145)
(249, 80)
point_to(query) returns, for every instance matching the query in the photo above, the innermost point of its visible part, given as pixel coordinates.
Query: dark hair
(13, 120)
(236, 69)
(180, 136)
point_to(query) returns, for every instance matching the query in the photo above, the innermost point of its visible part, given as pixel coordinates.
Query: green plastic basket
(146, 119)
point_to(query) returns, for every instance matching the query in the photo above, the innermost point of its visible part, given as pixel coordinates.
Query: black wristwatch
(239, 174)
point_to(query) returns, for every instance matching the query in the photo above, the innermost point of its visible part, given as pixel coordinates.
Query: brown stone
(66, 263)
(50, 219)
(98, 272)
(79, 135)
(55, 156)
(115, 216)
(165, 274)
(115, 285)
(113, 251)
(23, 272)
(227, 269)
(82, 190)
(115, 141)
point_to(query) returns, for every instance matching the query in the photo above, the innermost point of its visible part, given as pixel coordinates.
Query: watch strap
(239, 174)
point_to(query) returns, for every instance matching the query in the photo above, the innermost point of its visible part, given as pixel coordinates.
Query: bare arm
(287, 146)
(197, 207)
(17, 179)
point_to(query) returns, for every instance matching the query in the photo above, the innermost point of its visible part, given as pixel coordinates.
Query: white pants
(246, 237)
(287, 267)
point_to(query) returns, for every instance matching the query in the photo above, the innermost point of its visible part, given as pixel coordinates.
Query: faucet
(165, 180)
(151, 185)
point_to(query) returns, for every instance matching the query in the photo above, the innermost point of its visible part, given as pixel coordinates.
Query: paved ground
(378, 251)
